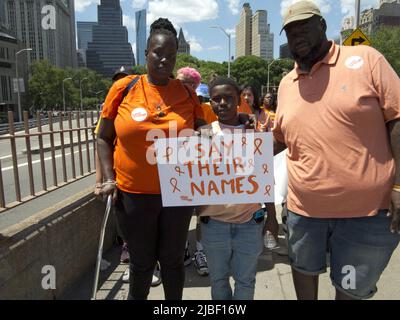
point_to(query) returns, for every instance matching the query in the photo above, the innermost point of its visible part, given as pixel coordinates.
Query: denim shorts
(359, 249)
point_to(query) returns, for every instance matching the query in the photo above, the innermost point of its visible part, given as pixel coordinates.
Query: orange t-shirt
(333, 121)
(135, 117)
(244, 106)
(209, 115)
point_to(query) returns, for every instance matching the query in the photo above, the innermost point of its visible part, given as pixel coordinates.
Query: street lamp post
(80, 88)
(69, 78)
(357, 13)
(18, 90)
(229, 47)
(269, 65)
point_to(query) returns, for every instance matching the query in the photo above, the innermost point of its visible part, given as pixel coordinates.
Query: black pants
(153, 233)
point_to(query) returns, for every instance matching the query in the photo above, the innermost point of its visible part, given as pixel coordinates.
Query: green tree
(387, 41)
(46, 82)
(139, 69)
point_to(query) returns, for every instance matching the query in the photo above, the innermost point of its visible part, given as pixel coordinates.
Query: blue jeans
(232, 250)
(363, 245)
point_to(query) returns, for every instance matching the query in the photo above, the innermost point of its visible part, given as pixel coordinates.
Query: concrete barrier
(65, 236)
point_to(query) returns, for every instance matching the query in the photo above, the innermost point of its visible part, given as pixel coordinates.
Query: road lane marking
(37, 161)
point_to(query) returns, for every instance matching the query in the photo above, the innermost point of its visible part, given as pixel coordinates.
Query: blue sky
(196, 17)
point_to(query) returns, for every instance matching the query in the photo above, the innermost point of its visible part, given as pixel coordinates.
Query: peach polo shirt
(333, 121)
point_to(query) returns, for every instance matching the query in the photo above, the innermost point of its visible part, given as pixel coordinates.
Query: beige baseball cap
(300, 10)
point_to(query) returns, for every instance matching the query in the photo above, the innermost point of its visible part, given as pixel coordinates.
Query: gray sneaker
(200, 263)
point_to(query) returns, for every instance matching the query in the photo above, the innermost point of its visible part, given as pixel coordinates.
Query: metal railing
(54, 148)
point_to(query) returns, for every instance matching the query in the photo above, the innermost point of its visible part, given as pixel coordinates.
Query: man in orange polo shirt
(339, 117)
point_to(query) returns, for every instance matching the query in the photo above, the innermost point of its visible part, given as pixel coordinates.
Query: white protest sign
(227, 169)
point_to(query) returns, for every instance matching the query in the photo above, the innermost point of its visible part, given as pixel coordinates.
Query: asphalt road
(71, 155)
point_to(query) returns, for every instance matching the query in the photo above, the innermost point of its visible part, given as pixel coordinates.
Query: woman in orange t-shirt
(156, 105)
(269, 108)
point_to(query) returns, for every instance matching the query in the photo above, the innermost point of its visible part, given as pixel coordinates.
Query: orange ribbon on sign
(174, 184)
(257, 144)
(244, 141)
(179, 171)
(267, 189)
(251, 163)
(265, 167)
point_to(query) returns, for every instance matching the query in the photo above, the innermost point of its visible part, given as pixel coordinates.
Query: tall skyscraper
(243, 32)
(253, 36)
(2, 13)
(183, 45)
(85, 35)
(56, 43)
(141, 37)
(109, 48)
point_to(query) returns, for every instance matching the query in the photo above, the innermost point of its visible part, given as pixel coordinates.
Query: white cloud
(81, 5)
(233, 6)
(138, 4)
(214, 48)
(232, 32)
(181, 11)
(128, 22)
(324, 5)
(195, 45)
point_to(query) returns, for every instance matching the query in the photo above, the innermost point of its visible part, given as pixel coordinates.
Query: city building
(109, 48)
(85, 35)
(262, 40)
(388, 14)
(141, 37)
(183, 45)
(243, 32)
(253, 36)
(2, 13)
(284, 52)
(9, 46)
(50, 37)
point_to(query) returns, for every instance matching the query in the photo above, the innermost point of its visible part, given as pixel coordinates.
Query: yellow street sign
(357, 38)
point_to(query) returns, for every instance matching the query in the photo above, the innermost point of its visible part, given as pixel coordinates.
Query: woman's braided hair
(162, 26)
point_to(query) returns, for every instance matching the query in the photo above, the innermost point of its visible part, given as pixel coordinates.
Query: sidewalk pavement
(273, 281)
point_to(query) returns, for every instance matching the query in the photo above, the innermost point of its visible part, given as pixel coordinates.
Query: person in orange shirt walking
(339, 117)
(155, 105)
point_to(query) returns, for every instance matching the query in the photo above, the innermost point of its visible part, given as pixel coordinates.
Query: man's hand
(394, 212)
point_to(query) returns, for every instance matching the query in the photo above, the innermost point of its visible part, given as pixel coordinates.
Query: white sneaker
(270, 242)
(125, 277)
(156, 276)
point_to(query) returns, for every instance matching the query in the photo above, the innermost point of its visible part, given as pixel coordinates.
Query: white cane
(100, 252)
